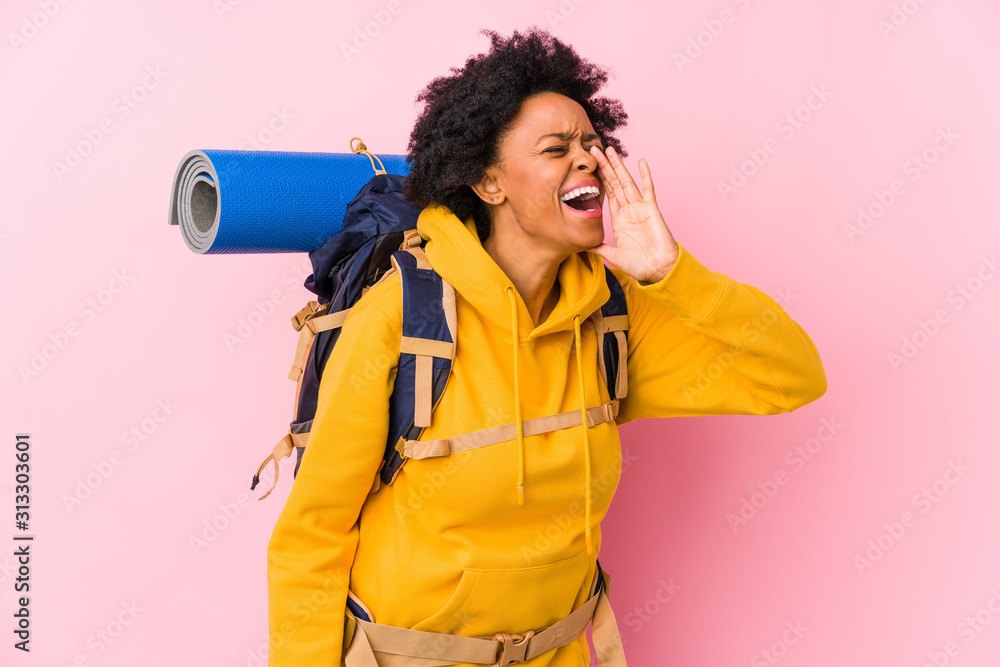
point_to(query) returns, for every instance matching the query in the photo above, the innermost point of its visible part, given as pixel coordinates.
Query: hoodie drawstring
(517, 400)
(583, 413)
(586, 438)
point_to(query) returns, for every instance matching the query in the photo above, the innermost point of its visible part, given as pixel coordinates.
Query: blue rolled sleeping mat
(244, 202)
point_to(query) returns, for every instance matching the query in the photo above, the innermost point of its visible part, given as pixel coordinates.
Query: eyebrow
(566, 136)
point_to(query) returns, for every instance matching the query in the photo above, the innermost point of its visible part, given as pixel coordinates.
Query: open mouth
(589, 204)
(586, 200)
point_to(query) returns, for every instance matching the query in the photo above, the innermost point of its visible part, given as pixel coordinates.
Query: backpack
(378, 237)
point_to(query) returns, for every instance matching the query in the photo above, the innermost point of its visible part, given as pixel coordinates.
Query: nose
(584, 160)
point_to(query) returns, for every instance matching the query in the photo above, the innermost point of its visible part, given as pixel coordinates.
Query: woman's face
(545, 155)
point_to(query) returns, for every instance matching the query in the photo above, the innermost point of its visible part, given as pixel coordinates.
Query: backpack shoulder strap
(427, 350)
(613, 350)
(613, 355)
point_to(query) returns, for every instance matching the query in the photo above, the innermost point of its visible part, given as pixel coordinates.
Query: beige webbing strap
(422, 449)
(424, 350)
(423, 391)
(309, 310)
(280, 451)
(301, 349)
(402, 647)
(607, 640)
(308, 327)
(422, 262)
(411, 239)
(327, 322)
(427, 347)
(359, 653)
(621, 386)
(418, 254)
(618, 324)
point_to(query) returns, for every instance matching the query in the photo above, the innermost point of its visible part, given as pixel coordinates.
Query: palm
(644, 247)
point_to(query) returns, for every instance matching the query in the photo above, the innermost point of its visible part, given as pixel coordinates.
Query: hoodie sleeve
(701, 343)
(312, 547)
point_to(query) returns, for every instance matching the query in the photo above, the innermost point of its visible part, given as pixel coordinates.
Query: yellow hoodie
(448, 547)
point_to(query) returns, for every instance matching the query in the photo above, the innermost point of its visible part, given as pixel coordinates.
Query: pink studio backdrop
(859, 530)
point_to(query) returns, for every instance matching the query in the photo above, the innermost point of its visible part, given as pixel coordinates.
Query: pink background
(687, 588)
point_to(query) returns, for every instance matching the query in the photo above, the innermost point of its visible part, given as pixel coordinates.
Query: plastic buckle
(609, 411)
(300, 318)
(513, 648)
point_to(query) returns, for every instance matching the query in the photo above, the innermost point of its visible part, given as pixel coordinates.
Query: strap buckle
(513, 648)
(308, 311)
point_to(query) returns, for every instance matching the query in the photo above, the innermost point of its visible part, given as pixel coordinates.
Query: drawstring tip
(520, 495)
(590, 545)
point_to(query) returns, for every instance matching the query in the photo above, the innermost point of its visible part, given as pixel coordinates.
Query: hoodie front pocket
(514, 600)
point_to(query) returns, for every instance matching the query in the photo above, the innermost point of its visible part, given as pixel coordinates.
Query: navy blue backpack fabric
(350, 260)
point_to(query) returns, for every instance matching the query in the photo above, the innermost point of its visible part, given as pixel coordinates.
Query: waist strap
(402, 647)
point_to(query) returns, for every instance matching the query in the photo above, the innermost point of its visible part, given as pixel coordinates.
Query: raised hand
(644, 247)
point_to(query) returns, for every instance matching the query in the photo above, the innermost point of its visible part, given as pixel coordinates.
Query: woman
(504, 538)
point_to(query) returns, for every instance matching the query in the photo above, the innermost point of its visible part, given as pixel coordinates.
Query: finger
(647, 182)
(606, 195)
(614, 185)
(599, 172)
(606, 189)
(628, 185)
(603, 168)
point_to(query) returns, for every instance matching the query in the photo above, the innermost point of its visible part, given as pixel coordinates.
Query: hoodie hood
(454, 250)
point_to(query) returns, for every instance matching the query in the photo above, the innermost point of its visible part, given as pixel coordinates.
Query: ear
(488, 188)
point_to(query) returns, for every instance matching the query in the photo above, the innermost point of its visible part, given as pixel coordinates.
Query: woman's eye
(561, 149)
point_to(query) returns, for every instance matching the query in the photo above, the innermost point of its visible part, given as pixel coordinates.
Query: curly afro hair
(459, 133)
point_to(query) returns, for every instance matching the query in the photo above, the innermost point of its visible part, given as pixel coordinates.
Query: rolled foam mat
(234, 202)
